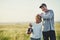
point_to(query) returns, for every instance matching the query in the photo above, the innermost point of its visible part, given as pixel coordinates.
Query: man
(48, 23)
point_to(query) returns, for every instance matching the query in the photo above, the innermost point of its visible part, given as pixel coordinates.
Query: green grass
(18, 31)
(57, 28)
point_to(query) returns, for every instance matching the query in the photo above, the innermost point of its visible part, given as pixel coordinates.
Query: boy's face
(37, 20)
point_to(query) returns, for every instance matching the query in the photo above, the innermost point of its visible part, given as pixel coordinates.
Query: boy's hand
(29, 31)
(30, 25)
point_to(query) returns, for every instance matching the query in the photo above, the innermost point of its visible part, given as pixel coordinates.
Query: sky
(25, 10)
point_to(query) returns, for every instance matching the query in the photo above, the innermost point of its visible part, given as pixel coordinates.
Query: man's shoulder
(50, 10)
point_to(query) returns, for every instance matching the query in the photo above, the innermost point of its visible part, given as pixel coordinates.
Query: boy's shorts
(35, 39)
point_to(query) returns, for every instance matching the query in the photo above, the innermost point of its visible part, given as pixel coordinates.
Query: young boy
(35, 29)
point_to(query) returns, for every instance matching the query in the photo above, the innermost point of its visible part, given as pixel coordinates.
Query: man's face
(44, 8)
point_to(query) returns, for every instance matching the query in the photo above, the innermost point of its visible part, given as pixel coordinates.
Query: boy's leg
(45, 36)
(52, 35)
(39, 39)
(35, 39)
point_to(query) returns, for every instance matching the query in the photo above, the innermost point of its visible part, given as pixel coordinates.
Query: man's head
(43, 7)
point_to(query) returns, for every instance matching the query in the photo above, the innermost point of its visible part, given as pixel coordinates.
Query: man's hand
(40, 14)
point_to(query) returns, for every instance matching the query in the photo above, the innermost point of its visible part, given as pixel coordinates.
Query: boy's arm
(30, 25)
(29, 29)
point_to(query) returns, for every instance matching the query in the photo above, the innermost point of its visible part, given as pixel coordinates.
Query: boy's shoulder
(40, 23)
(34, 23)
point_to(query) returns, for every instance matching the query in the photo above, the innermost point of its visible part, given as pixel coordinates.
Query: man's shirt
(48, 20)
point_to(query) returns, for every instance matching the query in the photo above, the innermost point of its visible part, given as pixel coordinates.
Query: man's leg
(52, 35)
(45, 36)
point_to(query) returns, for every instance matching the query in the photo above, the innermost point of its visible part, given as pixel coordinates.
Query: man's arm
(47, 16)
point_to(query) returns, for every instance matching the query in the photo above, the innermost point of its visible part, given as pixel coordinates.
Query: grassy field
(18, 31)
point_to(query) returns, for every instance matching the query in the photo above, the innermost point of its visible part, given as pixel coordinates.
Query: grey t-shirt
(48, 20)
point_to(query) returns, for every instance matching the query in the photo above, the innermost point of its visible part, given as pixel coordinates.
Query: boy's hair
(39, 17)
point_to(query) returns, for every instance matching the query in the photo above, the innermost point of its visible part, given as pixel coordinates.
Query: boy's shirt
(37, 30)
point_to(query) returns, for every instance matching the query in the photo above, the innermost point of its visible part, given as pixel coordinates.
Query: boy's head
(38, 18)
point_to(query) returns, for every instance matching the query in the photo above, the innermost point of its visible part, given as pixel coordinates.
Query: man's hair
(39, 17)
(43, 4)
